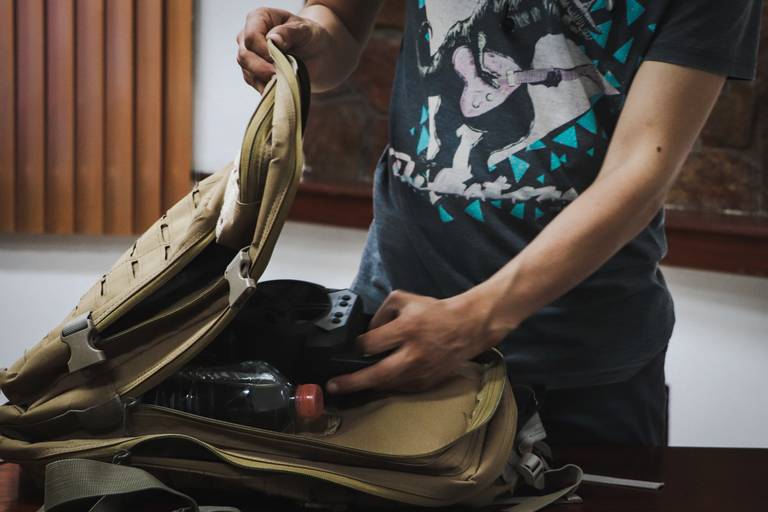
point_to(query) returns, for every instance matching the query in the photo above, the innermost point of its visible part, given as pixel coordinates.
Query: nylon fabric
(114, 488)
(166, 299)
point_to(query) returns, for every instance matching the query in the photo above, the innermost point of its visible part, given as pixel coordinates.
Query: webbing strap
(564, 481)
(270, 166)
(528, 463)
(286, 162)
(102, 487)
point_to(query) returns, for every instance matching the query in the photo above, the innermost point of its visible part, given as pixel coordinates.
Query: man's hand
(327, 35)
(429, 338)
(303, 37)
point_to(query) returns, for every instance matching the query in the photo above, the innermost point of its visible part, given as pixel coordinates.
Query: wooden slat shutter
(30, 116)
(89, 107)
(118, 178)
(95, 113)
(7, 117)
(178, 94)
(60, 117)
(148, 199)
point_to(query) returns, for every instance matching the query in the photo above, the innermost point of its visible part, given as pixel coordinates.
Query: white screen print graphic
(560, 81)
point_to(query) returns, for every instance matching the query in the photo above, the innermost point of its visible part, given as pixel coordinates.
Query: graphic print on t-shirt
(509, 96)
(509, 159)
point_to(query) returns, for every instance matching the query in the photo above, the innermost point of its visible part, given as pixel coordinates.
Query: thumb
(290, 36)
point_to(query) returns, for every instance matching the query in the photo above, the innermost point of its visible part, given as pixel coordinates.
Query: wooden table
(696, 479)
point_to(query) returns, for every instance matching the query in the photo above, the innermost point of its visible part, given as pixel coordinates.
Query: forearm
(647, 150)
(349, 30)
(575, 244)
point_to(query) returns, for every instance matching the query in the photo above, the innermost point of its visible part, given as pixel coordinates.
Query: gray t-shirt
(501, 115)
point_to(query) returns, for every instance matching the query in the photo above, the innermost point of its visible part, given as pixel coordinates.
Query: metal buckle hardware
(80, 334)
(241, 284)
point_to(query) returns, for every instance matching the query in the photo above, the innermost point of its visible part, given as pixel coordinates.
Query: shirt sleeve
(717, 36)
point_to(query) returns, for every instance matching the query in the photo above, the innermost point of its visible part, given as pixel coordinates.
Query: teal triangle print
(475, 211)
(563, 158)
(591, 151)
(622, 53)
(518, 210)
(421, 3)
(496, 203)
(491, 168)
(602, 37)
(536, 145)
(634, 11)
(599, 4)
(537, 213)
(652, 27)
(519, 166)
(568, 138)
(426, 36)
(424, 115)
(423, 140)
(588, 121)
(413, 131)
(540, 179)
(611, 79)
(554, 162)
(444, 215)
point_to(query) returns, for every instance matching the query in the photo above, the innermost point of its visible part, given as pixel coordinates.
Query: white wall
(717, 365)
(223, 101)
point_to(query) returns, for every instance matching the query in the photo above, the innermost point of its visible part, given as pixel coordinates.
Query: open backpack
(76, 422)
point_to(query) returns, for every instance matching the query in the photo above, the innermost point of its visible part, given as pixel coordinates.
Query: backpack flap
(167, 296)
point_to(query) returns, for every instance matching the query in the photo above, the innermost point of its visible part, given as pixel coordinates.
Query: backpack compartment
(466, 458)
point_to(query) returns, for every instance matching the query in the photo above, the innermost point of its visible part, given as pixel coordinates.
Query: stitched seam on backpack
(120, 300)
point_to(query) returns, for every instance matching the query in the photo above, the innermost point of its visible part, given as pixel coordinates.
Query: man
(519, 204)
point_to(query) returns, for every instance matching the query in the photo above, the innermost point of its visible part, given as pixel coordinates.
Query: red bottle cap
(309, 401)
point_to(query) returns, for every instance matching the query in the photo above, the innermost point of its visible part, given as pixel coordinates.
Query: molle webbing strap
(102, 487)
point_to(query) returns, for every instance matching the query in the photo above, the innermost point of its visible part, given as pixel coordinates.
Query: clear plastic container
(252, 393)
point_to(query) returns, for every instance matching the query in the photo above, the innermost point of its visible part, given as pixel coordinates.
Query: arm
(655, 133)
(328, 35)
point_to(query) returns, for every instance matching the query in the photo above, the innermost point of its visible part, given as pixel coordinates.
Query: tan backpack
(74, 398)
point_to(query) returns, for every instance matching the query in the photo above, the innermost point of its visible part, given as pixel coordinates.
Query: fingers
(402, 370)
(252, 53)
(257, 24)
(385, 371)
(380, 340)
(389, 309)
(294, 34)
(387, 312)
(383, 332)
(256, 70)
